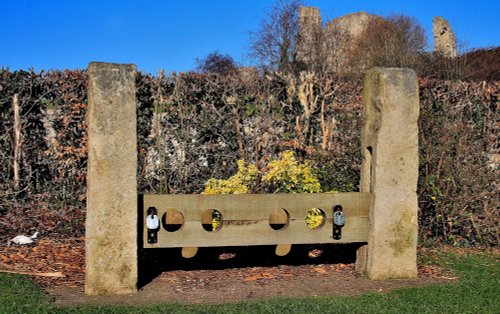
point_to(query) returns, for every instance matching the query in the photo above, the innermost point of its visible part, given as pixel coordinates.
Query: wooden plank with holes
(251, 219)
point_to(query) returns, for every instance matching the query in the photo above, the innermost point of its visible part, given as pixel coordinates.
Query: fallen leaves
(320, 270)
(53, 262)
(314, 253)
(263, 275)
(183, 281)
(434, 271)
(226, 256)
(61, 263)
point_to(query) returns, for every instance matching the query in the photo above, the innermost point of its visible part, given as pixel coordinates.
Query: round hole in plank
(211, 220)
(279, 219)
(315, 218)
(172, 220)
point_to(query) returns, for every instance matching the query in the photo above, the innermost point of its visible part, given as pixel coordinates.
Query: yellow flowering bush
(315, 218)
(243, 181)
(287, 175)
(216, 220)
(240, 183)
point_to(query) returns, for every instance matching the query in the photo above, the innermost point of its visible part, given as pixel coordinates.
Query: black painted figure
(338, 222)
(153, 225)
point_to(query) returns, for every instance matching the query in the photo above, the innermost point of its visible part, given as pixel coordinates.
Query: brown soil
(215, 275)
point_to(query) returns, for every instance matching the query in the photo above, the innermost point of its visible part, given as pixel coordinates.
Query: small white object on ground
(22, 239)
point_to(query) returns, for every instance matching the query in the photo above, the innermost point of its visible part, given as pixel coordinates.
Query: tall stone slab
(111, 225)
(390, 172)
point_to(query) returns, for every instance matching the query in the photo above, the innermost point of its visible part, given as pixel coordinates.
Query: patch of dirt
(233, 285)
(214, 275)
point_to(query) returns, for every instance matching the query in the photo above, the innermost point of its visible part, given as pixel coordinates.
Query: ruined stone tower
(444, 38)
(328, 48)
(310, 29)
(333, 47)
(342, 35)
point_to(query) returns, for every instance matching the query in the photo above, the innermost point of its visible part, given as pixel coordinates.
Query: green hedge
(205, 123)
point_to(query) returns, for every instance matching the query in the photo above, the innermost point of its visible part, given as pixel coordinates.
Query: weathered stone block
(390, 171)
(111, 225)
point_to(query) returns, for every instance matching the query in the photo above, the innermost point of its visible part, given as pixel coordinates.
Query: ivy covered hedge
(194, 127)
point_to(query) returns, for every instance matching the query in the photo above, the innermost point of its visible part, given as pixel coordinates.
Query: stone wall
(329, 47)
(341, 38)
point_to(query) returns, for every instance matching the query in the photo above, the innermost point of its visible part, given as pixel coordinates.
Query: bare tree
(273, 44)
(396, 41)
(216, 63)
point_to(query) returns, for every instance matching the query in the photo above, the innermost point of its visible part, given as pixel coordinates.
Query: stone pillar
(111, 225)
(445, 43)
(390, 172)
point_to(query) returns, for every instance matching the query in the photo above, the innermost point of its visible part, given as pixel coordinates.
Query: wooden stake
(20, 272)
(238, 134)
(17, 140)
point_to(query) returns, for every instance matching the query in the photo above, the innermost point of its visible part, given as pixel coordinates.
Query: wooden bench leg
(189, 252)
(283, 249)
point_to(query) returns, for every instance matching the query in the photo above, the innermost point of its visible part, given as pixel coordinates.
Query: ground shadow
(152, 262)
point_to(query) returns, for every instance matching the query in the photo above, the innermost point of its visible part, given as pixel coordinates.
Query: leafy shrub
(285, 175)
(205, 123)
(242, 182)
(458, 184)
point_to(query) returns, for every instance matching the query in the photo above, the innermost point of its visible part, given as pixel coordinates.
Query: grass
(19, 295)
(478, 291)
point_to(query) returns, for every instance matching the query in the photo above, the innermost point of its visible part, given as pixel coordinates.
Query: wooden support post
(283, 249)
(189, 252)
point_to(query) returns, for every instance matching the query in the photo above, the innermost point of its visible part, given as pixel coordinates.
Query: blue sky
(170, 35)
